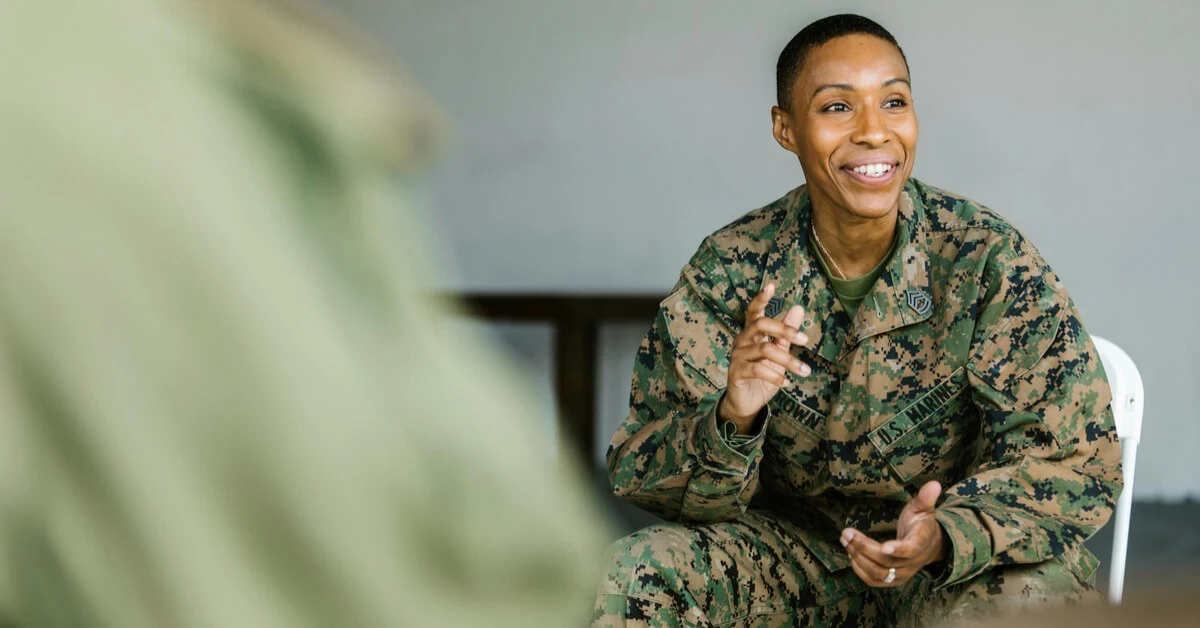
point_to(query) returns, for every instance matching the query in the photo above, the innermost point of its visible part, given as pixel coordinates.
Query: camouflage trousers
(755, 571)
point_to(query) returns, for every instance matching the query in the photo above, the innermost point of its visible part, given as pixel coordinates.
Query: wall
(597, 142)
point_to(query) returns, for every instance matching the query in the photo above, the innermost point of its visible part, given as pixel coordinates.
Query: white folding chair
(1127, 406)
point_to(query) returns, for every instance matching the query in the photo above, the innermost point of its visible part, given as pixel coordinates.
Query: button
(806, 324)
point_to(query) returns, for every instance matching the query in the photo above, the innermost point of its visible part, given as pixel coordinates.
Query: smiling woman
(849, 118)
(941, 453)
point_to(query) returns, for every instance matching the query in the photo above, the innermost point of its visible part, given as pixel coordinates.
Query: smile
(874, 170)
(872, 174)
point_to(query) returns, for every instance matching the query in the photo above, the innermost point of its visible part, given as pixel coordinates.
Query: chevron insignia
(774, 307)
(919, 302)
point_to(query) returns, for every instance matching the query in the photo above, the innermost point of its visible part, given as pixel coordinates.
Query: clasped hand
(919, 541)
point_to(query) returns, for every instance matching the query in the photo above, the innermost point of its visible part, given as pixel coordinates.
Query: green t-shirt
(851, 292)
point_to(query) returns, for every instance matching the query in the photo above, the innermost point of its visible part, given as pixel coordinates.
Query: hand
(919, 542)
(761, 360)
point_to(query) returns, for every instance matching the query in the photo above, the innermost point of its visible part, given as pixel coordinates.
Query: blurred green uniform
(223, 401)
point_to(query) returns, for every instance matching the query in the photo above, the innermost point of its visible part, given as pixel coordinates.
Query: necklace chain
(841, 275)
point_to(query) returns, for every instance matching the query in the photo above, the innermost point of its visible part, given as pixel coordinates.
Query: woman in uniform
(870, 402)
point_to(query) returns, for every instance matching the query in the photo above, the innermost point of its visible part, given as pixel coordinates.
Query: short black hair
(791, 60)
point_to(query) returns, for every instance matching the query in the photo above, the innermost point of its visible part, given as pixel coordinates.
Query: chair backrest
(1127, 403)
(1126, 384)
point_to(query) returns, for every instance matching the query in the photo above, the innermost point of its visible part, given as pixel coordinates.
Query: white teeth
(874, 170)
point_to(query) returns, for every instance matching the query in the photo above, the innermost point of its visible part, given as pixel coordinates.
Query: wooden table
(575, 319)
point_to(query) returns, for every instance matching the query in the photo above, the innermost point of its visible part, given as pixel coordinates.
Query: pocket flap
(701, 339)
(920, 435)
(925, 407)
(1022, 337)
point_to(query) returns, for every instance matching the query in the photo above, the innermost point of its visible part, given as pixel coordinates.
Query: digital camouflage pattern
(967, 364)
(753, 571)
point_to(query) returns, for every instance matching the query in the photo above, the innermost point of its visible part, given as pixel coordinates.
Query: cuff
(718, 444)
(971, 544)
(745, 443)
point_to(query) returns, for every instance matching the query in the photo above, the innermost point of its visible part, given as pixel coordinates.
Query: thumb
(793, 318)
(927, 497)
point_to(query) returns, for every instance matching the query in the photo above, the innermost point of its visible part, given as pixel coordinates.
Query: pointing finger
(758, 305)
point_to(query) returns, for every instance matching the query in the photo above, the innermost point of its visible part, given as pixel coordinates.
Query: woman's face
(851, 123)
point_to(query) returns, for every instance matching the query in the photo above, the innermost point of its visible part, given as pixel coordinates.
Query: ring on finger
(891, 577)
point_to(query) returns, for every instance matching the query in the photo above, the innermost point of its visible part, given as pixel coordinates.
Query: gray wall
(597, 142)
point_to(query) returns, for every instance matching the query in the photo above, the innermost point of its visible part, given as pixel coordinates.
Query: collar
(901, 296)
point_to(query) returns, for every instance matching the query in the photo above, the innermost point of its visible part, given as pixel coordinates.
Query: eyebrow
(848, 87)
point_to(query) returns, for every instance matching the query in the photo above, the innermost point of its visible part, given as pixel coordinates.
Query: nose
(870, 129)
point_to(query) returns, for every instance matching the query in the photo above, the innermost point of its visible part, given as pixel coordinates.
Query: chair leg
(1116, 577)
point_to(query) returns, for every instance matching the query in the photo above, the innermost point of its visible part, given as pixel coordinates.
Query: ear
(781, 127)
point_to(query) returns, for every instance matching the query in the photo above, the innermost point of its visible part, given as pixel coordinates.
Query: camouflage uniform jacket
(967, 364)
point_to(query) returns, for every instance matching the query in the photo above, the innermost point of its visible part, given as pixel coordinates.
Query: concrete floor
(1164, 543)
(1164, 548)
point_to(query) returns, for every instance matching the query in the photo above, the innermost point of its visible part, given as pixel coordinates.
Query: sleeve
(1050, 468)
(672, 456)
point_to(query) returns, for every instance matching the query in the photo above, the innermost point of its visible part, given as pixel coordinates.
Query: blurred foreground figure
(222, 400)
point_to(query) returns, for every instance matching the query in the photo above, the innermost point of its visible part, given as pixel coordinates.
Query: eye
(837, 107)
(895, 103)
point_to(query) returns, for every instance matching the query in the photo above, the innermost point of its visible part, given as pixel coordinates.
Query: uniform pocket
(1083, 564)
(794, 451)
(925, 433)
(703, 342)
(1014, 347)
